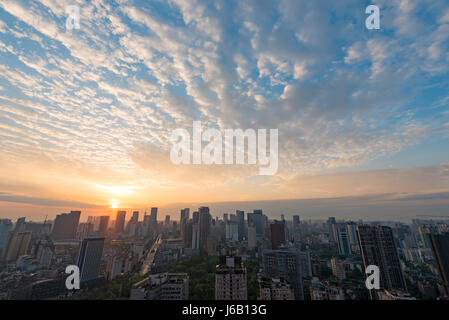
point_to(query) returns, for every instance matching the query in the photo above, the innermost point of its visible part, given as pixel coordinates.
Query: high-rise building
(66, 225)
(195, 216)
(352, 232)
(5, 227)
(204, 225)
(296, 221)
(185, 216)
(287, 263)
(377, 247)
(277, 230)
(187, 234)
(230, 279)
(196, 236)
(330, 222)
(167, 220)
(89, 258)
(103, 227)
(120, 221)
(340, 232)
(252, 236)
(439, 244)
(256, 218)
(241, 222)
(232, 231)
(16, 245)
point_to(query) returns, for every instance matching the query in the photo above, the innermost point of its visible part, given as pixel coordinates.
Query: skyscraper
(230, 279)
(185, 215)
(378, 248)
(241, 221)
(5, 227)
(204, 225)
(330, 222)
(340, 232)
(120, 221)
(103, 227)
(277, 230)
(66, 225)
(256, 218)
(439, 244)
(89, 258)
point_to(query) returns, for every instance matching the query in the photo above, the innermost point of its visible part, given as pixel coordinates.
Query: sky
(86, 114)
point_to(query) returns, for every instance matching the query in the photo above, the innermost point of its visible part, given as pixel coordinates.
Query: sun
(114, 204)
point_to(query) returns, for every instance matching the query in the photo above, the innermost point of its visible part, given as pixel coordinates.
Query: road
(149, 260)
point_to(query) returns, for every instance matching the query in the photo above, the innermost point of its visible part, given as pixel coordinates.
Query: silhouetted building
(66, 225)
(204, 226)
(103, 227)
(120, 221)
(277, 230)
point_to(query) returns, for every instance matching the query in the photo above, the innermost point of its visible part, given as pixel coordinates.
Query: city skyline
(86, 114)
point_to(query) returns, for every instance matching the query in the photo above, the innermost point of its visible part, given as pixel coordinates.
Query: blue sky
(94, 108)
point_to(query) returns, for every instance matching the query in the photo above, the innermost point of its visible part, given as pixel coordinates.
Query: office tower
(252, 236)
(341, 235)
(66, 225)
(378, 248)
(16, 245)
(296, 221)
(187, 234)
(225, 217)
(132, 223)
(185, 216)
(195, 216)
(120, 221)
(352, 232)
(153, 215)
(439, 244)
(167, 220)
(230, 279)
(330, 222)
(103, 227)
(277, 230)
(5, 228)
(196, 236)
(275, 289)
(232, 231)
(241, 222)
(337, 269)
(256, 218)
(286, 263)
(89, 258)
(204, 224)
